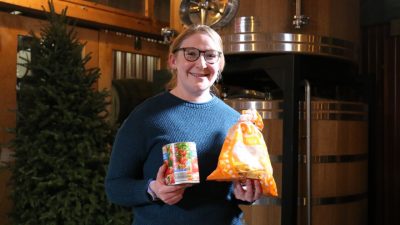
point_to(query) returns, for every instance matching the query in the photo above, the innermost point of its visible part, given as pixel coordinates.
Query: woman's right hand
(169, 194)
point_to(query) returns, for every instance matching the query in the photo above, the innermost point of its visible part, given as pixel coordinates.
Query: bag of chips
(244, 154)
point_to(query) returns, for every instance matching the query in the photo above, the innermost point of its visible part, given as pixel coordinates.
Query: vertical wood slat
(381, 60)
(396, 149)
(390, 123)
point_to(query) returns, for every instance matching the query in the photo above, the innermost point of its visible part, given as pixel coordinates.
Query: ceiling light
(15, 12)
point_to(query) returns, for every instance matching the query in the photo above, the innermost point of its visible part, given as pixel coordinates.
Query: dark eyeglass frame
(199, 53)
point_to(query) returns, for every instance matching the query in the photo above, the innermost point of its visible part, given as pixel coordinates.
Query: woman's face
(195, 78)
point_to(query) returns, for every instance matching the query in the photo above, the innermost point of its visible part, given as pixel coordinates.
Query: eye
(193, 53)
(211, 54)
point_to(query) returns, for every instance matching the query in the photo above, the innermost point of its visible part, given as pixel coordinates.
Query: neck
(205, 96)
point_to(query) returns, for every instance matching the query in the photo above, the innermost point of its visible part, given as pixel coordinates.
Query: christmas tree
(62, 141)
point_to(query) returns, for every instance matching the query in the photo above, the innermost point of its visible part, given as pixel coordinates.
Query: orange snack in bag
(244, 154)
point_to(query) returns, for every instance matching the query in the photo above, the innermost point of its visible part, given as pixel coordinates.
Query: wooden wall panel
(96, 15)
(10, 28)
(110, 41)
(381, 54)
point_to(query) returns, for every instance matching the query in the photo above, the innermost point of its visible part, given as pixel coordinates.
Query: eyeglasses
(192, 54)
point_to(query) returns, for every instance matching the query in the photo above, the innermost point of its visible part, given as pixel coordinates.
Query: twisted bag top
(244, 154)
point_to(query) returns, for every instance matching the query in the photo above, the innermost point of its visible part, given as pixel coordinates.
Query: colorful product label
(181, 158)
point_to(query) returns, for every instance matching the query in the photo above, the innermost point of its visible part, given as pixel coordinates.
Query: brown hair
(189, 31)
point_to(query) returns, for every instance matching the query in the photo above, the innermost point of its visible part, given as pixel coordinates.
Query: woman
(189, 111)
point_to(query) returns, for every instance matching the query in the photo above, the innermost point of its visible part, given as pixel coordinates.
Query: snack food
(181, 159)
(245, 155)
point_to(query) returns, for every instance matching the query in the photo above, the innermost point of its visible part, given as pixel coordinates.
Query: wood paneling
(96, 14)
(5, 202)
(109, 41)
(380, 61)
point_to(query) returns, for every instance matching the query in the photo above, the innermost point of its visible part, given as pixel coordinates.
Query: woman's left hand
(250, 192)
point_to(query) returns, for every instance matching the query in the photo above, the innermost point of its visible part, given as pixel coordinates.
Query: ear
(172, 61)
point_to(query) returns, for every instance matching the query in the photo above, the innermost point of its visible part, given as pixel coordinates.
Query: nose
(202, 60)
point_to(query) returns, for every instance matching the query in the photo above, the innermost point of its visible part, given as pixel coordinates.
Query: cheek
(186, 64)
(214, 70)
(184, 68)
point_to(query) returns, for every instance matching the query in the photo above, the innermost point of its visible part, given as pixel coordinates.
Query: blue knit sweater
(137, 156)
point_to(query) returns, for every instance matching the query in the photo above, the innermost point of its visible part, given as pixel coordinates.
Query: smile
(198, 75)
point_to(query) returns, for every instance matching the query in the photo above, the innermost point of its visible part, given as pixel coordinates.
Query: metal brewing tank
(331, 28)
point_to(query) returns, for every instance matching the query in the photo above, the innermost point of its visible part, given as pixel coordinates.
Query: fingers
(238, 190)
(161, 173)
(169, 194)
(172, 194)
(258, 190)
(250, 192)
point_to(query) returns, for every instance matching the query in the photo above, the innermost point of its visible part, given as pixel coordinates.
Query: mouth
(199, 75)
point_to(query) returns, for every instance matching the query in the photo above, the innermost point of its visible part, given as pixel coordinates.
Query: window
(129, 65)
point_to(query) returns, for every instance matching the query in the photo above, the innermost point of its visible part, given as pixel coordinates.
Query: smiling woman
(137, 174)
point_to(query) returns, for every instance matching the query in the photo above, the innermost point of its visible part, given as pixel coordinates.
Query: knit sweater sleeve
(124, 183)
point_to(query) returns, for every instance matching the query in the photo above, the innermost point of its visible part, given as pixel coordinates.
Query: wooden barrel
(266, 26)
(126, 94)
(339, 146)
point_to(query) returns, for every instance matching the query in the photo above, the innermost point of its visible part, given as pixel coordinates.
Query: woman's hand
(170, 194)
(250, 192)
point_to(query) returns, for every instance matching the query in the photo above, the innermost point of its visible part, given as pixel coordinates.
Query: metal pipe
(298, 7)
(203, 5)
(298, 19)
(308, 148)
